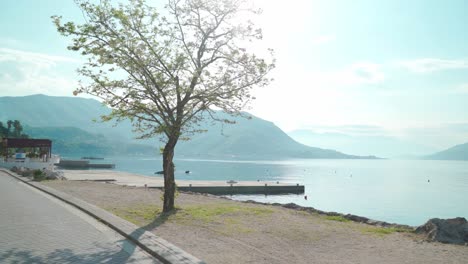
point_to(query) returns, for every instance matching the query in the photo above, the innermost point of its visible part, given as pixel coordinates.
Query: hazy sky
(394, 68)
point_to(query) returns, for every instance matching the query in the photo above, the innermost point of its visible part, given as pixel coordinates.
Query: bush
(38, 175)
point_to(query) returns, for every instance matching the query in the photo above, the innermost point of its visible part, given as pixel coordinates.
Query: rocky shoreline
(449, 231)
(351, 217)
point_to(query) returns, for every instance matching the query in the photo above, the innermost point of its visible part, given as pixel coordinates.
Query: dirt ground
(219, 230)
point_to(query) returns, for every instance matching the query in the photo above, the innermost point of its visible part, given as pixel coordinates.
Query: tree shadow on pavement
(98, 255)
(161, 219)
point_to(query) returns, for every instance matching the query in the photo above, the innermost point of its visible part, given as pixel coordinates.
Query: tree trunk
(169, 181)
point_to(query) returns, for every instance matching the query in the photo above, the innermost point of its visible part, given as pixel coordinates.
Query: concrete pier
(253, 189)
(83, 164)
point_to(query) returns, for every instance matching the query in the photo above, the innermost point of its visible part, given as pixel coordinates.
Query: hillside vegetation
(70, 123)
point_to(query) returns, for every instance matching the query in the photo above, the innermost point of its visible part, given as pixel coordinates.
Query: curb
(157, 247)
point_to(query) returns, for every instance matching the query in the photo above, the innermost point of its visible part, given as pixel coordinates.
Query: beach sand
(132, 179)
(219, 230)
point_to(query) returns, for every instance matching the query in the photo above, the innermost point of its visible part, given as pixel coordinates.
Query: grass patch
(209, 213)
(139, 215)
(233, 226)
(338, 218)
(386, 230)
(225, 219)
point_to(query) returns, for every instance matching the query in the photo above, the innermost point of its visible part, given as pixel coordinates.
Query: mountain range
(458, 152)
(68, 121)
(71, 123)
(72, 141)
(361, 144)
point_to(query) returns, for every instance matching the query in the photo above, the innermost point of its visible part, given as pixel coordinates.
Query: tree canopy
(163, 68)
(13, 129)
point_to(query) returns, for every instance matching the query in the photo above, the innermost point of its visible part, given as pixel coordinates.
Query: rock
(54, 175)
(452, 231)
(356, 218)
(291, 206)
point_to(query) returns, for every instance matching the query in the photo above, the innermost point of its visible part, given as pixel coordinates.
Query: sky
(387, 68)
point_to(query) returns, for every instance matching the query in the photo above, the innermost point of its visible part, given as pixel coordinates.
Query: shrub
(38, 175)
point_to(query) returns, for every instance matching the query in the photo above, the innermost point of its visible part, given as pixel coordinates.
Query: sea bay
(401, 191)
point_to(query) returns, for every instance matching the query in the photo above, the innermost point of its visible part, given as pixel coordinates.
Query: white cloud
(359, 73)
(26, 73)
(461, 89)
(10, 42)
(298, 97)
(352, 130)
(32, 57)
(365, 73)
(428, 65)
(323, 39)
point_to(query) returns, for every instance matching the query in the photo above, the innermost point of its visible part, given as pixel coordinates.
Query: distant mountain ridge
(60, 111)
(382, 146)
(72, 141)
(458, 152)
(251, 138)
(254, 138)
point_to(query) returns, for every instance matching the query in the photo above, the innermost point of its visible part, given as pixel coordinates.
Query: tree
(3, 130)
(9, 124)
(164, 71)
(17, 129)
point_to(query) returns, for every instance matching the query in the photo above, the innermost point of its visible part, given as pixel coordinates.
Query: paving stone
(35, 228)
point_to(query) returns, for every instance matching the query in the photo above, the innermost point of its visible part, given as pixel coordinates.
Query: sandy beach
(137, 180)
(219, 230)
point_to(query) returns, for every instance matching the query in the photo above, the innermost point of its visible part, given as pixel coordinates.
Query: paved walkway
(36, 228)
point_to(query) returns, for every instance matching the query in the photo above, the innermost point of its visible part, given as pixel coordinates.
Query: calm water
(389, 190)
